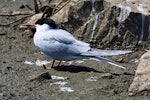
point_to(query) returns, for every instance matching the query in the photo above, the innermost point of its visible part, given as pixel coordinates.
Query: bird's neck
(42, 27)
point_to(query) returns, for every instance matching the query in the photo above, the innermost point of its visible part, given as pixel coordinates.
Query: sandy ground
(81, 80)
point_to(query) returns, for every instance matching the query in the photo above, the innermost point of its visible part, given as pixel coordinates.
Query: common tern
(61, 45)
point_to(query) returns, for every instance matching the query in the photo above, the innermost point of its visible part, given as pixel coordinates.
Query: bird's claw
(47, 67)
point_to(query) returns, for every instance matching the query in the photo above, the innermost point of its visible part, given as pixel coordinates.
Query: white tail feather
(98, 52)
(104, 60)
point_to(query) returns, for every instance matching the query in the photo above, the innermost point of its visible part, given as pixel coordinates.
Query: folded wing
(98, 52)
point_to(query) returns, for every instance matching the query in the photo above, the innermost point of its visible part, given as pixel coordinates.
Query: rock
(137, 6)
(112, 24)
(141, 80)
(34, 18)
(31, 20)
(41, 76)
(62, 15)
(115, 23)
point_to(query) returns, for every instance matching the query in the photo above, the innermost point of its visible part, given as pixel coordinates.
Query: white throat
(43, 27)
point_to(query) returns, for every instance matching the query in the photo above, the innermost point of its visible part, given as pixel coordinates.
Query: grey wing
(72, 44)
(98, 52)
(63, 45)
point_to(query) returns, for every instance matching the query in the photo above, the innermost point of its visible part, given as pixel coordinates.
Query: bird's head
(43, 22)
(51, 23)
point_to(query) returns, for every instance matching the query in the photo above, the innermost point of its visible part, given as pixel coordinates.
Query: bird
(61, 45)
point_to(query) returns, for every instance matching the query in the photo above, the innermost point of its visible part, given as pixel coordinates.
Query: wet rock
(106, 22)
(137, 6)
(111, 24)
(141, 80)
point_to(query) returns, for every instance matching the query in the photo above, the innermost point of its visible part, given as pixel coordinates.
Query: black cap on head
(48, 21)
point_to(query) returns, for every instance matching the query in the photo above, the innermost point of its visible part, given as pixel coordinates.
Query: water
(61, 83)
(140, 8)
(142, 30)
(94, 26)
(124, 13)
(28, 62)
(66, 89)
(58, 77)
(93, 8)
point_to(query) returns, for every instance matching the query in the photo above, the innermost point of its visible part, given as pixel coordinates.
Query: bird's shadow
(75, 69)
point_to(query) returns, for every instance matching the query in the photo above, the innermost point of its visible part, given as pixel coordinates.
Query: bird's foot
(50, 67)
(47, 67)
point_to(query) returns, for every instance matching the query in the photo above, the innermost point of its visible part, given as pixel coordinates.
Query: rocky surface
(107, 23)
(141, 80)
(137, 6)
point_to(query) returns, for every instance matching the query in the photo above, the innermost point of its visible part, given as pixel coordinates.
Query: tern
(61, 45)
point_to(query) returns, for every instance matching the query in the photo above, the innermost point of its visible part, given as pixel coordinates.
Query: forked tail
(104, 60)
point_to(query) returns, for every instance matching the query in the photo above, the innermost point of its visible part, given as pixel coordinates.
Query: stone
(141, 80)
(62, 15)
(117, 24)
(34, 18)
(110, 24)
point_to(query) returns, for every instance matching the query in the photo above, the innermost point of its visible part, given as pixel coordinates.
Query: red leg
(52, 66)
(59, 63)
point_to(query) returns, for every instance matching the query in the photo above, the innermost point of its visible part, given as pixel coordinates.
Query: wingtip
(117, 65)
(129, 51)
(104, 60)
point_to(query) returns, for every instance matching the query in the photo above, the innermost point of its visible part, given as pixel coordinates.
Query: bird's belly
(59, 54)
(55, 50)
